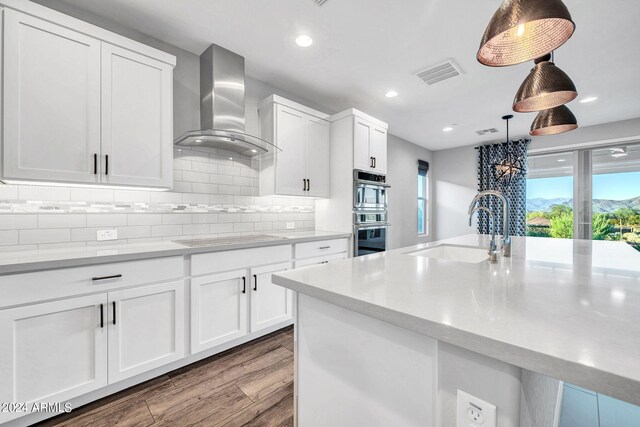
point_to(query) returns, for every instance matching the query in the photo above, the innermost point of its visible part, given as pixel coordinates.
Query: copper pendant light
(547, 86)
(522, 30)
(553, 121)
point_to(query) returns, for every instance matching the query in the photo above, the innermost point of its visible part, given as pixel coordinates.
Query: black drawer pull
(102, 315)
(324, 247)
(114, 312)
(106, 164)
(244, 285)
(95, 164)
(255, 281)
(115, 276)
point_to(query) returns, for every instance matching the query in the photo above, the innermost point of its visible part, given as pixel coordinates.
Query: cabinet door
(379, 149)
(270, 304)
(137, 119)
(51, 102)
(218, 309)
(317, 154)
(146, 328)
(361, 140)
(52, 351)
(291, 136)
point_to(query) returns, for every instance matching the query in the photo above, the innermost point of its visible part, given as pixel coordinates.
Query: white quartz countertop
(569, 309)
(26, 261)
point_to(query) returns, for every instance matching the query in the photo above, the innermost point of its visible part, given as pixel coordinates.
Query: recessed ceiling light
(254, 151)
(447, 129)
(198, 140)
(588, 99)
(304, 40)
(562, 160)
(391, 94)
(230, 158)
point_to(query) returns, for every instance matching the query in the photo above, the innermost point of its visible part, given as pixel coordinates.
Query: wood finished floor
(251, 385)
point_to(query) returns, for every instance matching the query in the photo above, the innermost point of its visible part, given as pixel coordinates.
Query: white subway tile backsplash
(92, 194)
(9, 237)
(211, 196)
(166, 230)
(106, 220)
(17, 222)
(37, 192)
(61, 220)
(44, 235)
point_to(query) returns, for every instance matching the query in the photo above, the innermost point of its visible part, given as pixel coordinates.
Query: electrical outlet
(103, 235)
(474, 412)
(291, 226)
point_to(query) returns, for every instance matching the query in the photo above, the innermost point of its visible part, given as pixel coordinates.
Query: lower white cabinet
(218, 309)
(320, 260)
(145, 328)
(53, 351)
(270, 304)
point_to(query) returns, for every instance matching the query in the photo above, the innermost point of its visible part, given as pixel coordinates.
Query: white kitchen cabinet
(369, 146)
(270, 304)
(301, 167)
(51, 101)
(218, 309)
(53, 351)
(145, 328)
(83, 105)
(137, 128)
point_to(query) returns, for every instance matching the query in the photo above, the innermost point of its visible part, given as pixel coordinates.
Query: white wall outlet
(475, 412)
(103, 235)
(291, 226)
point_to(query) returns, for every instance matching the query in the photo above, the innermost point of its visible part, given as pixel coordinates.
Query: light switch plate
(291, 226)
(475, 412)
(103, 235)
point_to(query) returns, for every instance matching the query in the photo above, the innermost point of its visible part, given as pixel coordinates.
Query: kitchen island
(391, 337)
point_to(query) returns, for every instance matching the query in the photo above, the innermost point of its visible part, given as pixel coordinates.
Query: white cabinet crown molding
(360, 114)
(277, 99)
(75, 24)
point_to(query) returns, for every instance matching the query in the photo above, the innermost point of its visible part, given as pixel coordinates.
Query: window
(423, 188)
(586, 194)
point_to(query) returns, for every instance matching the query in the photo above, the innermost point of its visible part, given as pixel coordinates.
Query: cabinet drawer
(54, 284)
(217, 262)
(319, 248)
(320, 260)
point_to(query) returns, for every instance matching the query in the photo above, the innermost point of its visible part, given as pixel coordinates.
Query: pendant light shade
(547, 86)
(553, 121)
(522, 30)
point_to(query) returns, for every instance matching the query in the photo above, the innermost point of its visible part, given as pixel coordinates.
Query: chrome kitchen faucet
(506, 239)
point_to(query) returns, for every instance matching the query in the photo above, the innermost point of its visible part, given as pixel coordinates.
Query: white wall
(402, 172)
(455, 171)
(455, 183)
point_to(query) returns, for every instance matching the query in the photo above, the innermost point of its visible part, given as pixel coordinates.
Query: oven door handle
(372, 225)
(374, 184)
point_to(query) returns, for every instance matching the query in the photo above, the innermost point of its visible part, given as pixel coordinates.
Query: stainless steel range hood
(222, 117)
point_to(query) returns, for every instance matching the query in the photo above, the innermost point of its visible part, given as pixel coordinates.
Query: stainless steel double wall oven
(370, 225)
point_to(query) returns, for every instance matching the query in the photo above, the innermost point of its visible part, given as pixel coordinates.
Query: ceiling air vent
(440, 72)
(319, 2)
(486, 131)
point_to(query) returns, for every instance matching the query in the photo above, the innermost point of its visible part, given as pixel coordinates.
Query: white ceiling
(362, 48)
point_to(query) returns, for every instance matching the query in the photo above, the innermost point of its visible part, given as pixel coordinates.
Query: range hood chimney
(222, 116)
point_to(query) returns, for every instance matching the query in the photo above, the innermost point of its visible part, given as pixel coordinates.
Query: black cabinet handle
(95, 163)
(374, 162)
(102, 315)
(304, 184)
(255, 281)
(106, 164)
(371, 162)
(244, 285)
(324, 247)
(114, 312)
(308, 185)
(115, 276)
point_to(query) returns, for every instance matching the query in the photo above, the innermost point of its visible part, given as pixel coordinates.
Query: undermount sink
(469, 254)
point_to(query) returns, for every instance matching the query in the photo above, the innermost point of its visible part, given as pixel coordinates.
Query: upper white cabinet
(137, 135)
(301, 167)
(83, 105)
(367, 135)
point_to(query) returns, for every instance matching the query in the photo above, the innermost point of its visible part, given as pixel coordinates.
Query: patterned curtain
(515, 191)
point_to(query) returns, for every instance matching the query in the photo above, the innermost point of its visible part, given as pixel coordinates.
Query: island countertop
(569, 309)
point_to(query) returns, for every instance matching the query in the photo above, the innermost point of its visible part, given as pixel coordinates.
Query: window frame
(424, 200)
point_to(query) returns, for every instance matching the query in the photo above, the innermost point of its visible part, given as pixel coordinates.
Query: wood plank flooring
(250, 385)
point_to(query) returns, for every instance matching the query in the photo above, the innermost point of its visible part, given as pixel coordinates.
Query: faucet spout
(506, 239)
(493, 247)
